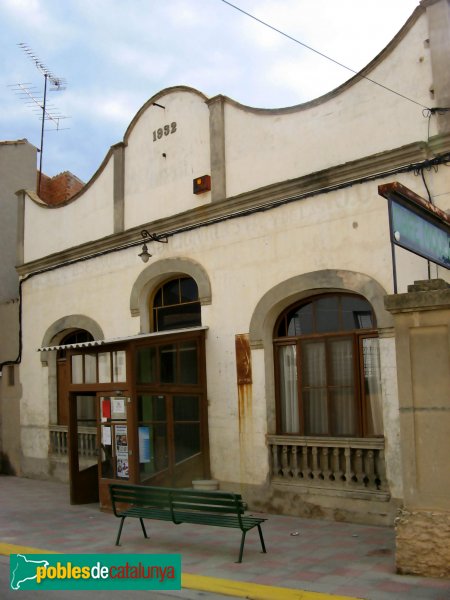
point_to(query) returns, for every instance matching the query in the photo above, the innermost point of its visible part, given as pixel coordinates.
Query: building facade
(17, 170)
(251, 344)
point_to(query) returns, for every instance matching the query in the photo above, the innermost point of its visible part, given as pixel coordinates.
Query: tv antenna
(39, 102)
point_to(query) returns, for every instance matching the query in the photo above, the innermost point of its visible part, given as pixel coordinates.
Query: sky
(116, 54)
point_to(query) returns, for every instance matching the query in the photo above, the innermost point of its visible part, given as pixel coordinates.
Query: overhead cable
(336, 62)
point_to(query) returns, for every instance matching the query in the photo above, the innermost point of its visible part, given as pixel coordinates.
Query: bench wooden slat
(220, 509)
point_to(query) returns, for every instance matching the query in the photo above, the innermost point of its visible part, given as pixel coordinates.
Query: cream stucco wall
(88, 218)
(361, 120)
(159, 172)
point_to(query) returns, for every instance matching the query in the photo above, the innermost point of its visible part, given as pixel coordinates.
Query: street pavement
(307, 559)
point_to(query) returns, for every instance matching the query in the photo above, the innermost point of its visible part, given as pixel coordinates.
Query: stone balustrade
(345, 464)
(87, 441)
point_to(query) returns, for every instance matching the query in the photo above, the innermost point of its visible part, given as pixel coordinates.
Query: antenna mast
(56, 84)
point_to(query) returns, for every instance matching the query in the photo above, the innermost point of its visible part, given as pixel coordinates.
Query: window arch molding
(307, 285)
(55, 333)
(295, 289)
(60, 328)
(159, 272)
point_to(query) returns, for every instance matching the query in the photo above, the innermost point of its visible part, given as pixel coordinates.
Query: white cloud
(115, 55)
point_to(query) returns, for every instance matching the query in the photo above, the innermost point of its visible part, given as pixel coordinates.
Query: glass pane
(146, 365)
(356, 313)
(153, 454)
(151, 408)
(187, 440)
(341, 358)
(104, 367)
(315, 412)
(344, 413)
(313, 371)
(288, 389)
(177, 317)
(327, 314)
(158, 298)
(106, 454)
(119, 366)
(90, 368)
(300, 321)
(188, 362)
(186, 408)
(86, 411)
(188, 289)
(372, 386)
(77, 368)
(168, 363)
(171, 292)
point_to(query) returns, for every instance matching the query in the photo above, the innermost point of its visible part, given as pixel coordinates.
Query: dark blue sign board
(417, 225)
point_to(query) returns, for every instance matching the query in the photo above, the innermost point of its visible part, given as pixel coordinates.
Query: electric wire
(336, 62)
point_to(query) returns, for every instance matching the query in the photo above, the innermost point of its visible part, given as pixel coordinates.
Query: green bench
(222, 509)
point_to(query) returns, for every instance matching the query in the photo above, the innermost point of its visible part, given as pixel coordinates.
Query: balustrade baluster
(326, 473)
(348, 466)
(315, 463)
(380, 467)
(285, 461)
(338, 473)
(306, 470)
(369, 467)
(294, 462)
(275, 465)
(358, 467)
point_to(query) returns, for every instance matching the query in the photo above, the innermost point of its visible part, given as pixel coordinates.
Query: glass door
(83, 449)
(116, 442)
(170, 439)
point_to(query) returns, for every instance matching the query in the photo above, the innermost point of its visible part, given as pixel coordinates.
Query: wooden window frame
(357, 335)
(154, 309)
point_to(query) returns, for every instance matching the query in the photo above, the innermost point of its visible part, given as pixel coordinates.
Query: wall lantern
(152, 237)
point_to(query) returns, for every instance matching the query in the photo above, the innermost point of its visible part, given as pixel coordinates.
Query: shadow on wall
(5, 466)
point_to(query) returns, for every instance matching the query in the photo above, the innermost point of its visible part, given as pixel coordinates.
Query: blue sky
(116, 54)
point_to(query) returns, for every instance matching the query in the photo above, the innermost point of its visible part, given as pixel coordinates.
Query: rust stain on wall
(243, 359)
(244, 379)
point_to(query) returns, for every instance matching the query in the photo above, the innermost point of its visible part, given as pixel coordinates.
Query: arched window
(327, 368)
(75, 337)
(176, 305)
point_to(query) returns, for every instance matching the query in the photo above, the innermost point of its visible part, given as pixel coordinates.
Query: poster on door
(121, 446)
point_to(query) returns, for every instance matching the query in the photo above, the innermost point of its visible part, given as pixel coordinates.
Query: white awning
(119, 340)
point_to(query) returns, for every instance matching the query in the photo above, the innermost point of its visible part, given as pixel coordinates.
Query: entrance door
(171, 439)
(83, 448)
(172, 414)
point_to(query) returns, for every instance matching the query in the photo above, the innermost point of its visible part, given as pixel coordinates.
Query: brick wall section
(58, 189)
(423, 546)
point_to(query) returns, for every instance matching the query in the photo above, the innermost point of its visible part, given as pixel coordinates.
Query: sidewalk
(332, 559)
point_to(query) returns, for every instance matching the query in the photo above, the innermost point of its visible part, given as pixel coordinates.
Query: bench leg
(241, 550)
(143, 528)
(120, 530)
(262, 539)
